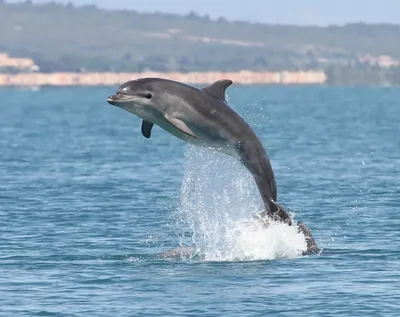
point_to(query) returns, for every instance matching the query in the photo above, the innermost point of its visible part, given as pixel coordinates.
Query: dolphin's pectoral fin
(146, 128)
(180, 125)
(217, 89)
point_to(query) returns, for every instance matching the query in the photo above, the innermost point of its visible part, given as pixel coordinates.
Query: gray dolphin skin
(203, 117)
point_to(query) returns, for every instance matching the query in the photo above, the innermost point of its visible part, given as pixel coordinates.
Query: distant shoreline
(244, 77)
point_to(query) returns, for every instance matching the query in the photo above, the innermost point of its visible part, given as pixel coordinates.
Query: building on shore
(36, 79)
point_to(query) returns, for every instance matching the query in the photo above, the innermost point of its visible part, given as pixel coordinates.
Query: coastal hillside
(64, 38)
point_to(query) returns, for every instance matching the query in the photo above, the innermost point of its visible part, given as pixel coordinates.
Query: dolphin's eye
(146, 95)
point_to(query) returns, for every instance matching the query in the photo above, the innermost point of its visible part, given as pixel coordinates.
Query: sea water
(87, 204)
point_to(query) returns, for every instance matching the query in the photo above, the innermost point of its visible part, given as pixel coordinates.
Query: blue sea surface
(87, 204)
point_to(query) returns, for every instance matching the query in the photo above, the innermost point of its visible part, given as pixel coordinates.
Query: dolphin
(201, 116)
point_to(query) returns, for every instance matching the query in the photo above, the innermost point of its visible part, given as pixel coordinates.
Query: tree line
(63, 37)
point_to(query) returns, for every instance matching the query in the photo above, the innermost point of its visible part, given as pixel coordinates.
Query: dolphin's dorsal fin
(146, 128)
(217, 89)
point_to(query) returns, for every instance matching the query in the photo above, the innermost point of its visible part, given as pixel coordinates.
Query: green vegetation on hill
(67, 38)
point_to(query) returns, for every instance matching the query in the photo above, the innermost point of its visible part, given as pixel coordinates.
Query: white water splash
(219, 200)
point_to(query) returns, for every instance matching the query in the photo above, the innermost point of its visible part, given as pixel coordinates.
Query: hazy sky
(321, 12)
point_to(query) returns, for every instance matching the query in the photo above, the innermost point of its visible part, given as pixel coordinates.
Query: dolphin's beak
(119, 99)
(113, 100)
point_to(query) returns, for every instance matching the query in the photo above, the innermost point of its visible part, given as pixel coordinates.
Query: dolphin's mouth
(119, 99)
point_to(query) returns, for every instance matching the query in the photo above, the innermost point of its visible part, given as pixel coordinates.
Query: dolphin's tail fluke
(312, 247)
(276, 212)
(280, 214)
